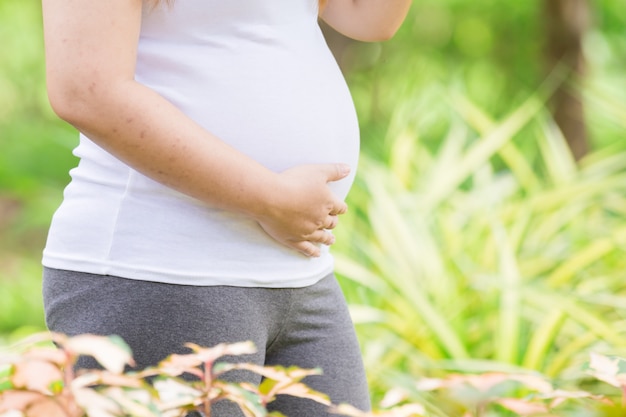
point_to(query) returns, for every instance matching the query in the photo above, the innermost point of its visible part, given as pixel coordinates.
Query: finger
(321, 236)
(308, 249)
(331, 222)
(340, 207)
(335, 172)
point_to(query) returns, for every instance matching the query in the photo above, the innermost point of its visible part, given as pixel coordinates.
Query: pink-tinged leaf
(12, 413)
(484, 382)
(42, 337)
(40, 354)
(97, 377)
(487, 381)
(211, 354)
(559, 396)
(275, 373)
(430, 384)
(37, 405)
(522, 407)
(111, 352)
(175, 394)
(136, 403)
(394, 397)
(248, 402)
(18, 400)
(36, 376)
(301, 390)
(96, 404)
(607, 370)
(48, 354)
(534, 382)
(407, 410)
(176, 365)
(348, 410)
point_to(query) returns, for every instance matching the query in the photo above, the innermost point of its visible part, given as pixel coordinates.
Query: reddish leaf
(111, 352)
(96, 377)
(301, 390)
(394, 397)
(36, 376)
(607, 370)
(211, 354)
(522, 407)
(18, 400)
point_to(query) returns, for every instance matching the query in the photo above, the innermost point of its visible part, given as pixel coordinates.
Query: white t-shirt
(258, 75)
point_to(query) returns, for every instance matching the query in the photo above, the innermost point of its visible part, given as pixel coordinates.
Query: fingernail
(344, 169)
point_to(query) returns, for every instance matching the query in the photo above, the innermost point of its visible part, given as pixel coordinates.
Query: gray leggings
(307, 327)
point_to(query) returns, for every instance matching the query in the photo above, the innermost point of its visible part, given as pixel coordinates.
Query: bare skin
(91, 48)
(365, 20)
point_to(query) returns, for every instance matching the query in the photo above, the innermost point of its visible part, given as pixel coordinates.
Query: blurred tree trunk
(567, 22)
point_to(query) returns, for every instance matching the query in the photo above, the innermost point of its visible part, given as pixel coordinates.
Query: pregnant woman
(218, 141)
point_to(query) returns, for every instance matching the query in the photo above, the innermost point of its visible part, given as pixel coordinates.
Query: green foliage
(470, 251)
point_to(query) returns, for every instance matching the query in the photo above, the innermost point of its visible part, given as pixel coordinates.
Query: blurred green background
(487, 228)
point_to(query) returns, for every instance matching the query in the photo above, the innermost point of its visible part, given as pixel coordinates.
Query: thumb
(335, 172)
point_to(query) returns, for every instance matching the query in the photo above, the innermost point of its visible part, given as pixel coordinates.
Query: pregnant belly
(282, 106)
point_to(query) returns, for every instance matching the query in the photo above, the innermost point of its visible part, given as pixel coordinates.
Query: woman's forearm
(145, 131)
(149, 134)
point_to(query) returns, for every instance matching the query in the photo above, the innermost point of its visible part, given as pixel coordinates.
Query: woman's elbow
(67, 100)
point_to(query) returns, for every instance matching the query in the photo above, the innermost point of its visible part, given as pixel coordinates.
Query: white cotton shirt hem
(175, 277)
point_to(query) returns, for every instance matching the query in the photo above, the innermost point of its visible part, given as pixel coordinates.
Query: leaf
(49, 354)
(249, 403)
(18, 400)
(136, 403)
(430, 384)
(97, 377)
(348, 410)
(111, 352)
(223, 349)
(96, 404)
(522, 407)
(560, 396)
(174, 394)
(12, 413)
(36, 376)
(301, 390)
(275, 373)
(176, 364)
(607, 370)
(5, 377)
(407, 410)
(394, 397)
(38, 405)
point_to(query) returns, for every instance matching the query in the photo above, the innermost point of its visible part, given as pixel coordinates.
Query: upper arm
(90, 44)
(366, 20)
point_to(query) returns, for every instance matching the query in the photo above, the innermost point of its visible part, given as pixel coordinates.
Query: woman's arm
(365, 20)
(90, 57)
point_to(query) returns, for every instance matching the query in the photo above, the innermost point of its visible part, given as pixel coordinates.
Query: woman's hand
(302, 208)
